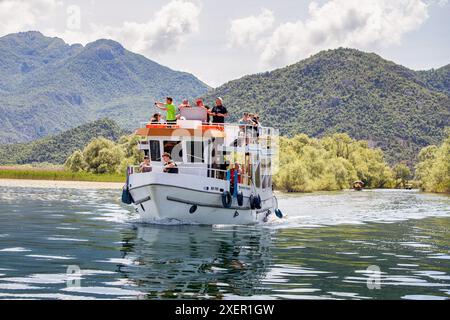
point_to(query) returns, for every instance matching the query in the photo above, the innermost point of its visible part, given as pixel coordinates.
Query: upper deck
(231, 136)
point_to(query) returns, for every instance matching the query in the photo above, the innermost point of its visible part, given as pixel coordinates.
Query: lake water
(84, 244)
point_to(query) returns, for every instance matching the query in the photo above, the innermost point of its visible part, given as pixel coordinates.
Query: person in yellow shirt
(170, 108)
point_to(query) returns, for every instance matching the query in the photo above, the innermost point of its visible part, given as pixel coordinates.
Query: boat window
(195, 151)
(175, 149)
(155, 150)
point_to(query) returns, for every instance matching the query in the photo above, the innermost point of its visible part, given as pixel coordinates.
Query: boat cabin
(210, 150)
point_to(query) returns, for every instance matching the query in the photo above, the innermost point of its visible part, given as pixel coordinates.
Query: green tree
(331, 163)
(76, 162)
(433, 170)
(402, 174)
(103, 156)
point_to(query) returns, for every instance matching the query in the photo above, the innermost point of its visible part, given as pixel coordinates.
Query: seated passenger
(146, 166)
(169, 165)
(156, 118)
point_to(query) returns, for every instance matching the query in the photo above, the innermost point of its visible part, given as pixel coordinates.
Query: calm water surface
(321, 250)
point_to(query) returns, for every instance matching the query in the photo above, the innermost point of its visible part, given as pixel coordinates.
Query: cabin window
(195, 151)
(175, 149)
(155, 150)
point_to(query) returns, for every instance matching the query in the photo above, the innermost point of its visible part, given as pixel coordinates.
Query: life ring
(240, 198)
(226, 199)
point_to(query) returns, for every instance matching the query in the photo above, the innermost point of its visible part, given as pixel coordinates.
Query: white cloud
(20, 15)
(350, 23)
(247, 30)
(166, 30)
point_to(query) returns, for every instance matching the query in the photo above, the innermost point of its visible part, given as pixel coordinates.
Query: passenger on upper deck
(185, 104)
(171, 116)
(146, 166)
(246, 125)
(156, 118)
(208, 117)
(169, 165)
(219, 112)
(199, 103)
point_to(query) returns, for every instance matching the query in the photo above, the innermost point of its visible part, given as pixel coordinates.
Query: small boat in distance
(358, 185)
(223, 174)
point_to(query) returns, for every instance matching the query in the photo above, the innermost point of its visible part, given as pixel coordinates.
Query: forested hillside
(48, 86)
(56, 149)
(348, 91)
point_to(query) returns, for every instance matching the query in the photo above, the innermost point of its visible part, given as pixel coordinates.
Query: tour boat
(205, 189)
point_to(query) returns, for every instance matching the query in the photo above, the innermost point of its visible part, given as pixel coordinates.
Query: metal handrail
(137, 169)
(235, 124)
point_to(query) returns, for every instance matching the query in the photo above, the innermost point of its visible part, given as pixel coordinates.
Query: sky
(219, 41)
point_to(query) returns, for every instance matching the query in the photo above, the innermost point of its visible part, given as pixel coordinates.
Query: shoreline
(60, 184)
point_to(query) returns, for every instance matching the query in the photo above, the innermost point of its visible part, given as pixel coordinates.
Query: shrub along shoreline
(305, 165)
(58, 175)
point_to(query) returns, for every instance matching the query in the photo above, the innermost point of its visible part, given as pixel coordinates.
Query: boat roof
(183, 128)
(196, 128)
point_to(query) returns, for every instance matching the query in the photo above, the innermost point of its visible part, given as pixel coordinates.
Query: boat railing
(236, 134)
(199, 171)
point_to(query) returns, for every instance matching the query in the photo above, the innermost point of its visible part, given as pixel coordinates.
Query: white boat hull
(162, 197)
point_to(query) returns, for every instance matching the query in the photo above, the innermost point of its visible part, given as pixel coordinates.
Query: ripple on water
(15, 249)
(423, 297)
(49, 257)
(326, 241)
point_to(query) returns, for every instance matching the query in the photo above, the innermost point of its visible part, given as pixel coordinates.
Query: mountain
(346, 90)
(48, 86)
(56, 149)
(438, 79)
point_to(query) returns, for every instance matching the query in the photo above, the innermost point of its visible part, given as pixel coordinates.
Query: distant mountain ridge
(48, 86)
(56, 149)
(346, 90)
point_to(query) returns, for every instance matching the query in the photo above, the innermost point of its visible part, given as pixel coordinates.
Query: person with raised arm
(169, 107)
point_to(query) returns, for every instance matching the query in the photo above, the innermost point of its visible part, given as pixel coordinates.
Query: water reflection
(195, 261)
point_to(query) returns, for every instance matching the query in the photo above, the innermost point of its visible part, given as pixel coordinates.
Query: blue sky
(223, 40)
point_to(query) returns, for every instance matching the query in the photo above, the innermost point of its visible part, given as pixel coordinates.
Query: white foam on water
(127, 262)
(355, 208)
(423, 297)
(17, 286)
(15, 249)
(66, 239)
(49, 257)
(109, 291)
(39, 278)
(43, 296)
